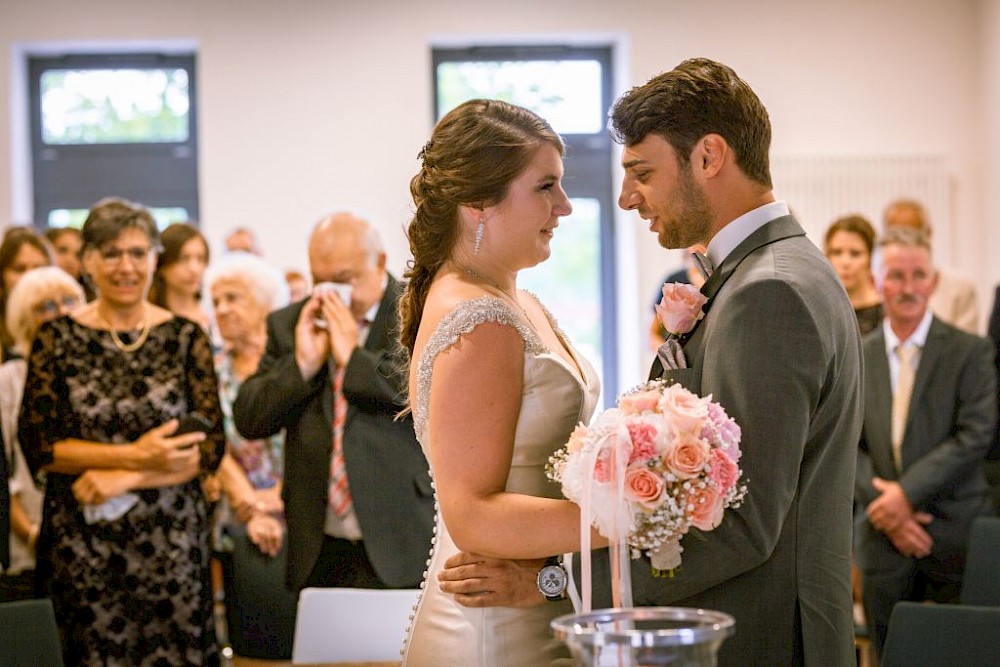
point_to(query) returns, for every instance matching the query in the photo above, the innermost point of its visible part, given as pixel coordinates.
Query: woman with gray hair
(244, 290)
(40, 295)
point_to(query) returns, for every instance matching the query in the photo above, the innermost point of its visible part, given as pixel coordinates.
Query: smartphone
(192, 423)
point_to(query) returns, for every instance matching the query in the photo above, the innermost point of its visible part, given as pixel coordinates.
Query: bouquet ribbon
(618, 549)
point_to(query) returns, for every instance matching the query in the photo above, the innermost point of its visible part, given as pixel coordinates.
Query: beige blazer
(955, 302)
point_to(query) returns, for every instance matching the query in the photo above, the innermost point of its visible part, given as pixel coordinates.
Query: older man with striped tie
(358, 500)
(930, 412)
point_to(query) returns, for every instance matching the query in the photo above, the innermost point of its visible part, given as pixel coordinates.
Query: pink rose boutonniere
(680, 308)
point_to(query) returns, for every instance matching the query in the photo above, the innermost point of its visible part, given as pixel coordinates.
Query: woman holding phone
(123, 548)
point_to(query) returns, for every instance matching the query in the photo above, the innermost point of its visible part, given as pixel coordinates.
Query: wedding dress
(554, 400)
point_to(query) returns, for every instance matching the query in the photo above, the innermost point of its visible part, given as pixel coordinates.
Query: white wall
(319, 105)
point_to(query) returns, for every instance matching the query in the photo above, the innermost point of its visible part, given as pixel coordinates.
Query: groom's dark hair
(696, 98)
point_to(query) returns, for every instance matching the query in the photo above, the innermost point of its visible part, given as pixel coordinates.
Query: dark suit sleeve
(373, 381)
(272, 396)
(975, 410)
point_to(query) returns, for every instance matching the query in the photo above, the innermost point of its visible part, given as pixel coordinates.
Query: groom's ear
(710, 155)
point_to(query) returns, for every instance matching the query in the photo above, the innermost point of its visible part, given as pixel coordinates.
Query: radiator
(820, 189)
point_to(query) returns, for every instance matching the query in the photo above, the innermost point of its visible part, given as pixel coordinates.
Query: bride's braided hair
(474, 153)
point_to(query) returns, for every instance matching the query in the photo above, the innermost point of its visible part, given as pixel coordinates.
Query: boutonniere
(680, 308)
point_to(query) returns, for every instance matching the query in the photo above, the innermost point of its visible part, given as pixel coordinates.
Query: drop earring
(479, 237)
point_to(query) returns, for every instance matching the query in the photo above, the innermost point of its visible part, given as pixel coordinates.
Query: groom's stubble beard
(693, 221)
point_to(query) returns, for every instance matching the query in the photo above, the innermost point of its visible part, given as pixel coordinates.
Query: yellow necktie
(901, 401)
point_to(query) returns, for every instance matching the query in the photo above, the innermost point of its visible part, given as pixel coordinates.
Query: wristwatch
(552, 579)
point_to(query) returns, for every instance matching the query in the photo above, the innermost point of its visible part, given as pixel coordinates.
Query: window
(113, 125)
(571, 88)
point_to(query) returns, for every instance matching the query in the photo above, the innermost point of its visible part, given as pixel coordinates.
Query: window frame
(74, 176)
(589, 169)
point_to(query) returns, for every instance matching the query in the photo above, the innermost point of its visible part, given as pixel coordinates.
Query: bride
(495, 386)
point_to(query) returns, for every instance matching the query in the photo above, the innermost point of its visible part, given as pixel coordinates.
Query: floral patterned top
(261, 460)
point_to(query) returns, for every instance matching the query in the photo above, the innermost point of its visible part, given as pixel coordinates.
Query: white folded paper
(111, 509)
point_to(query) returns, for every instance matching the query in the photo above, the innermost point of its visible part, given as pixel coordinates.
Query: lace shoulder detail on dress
(461, 321)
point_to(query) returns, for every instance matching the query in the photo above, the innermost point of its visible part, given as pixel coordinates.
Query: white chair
(351, 624)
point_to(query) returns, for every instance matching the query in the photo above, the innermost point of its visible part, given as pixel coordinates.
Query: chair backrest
(29, 635)
(981, 580)
(351, 624)
(930, 635)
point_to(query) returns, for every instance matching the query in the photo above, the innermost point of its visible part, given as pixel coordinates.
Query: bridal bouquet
(664, 461)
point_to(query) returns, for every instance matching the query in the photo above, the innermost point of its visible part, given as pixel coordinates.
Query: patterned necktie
(703, 264)
(340, 492)
(901, 401)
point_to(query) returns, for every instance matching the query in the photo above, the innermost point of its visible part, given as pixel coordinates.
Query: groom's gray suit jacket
(779, 348)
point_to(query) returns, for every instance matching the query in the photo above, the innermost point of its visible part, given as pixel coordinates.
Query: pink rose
(680, 307)
(640, 401)
(704, 507)
(643, 486)
(643, 435)
(724, 471)
(604, 467)
(725, 431)
(577, 439)
(687, 458)
(683, 410)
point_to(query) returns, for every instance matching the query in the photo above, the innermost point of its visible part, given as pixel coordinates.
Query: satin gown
(554, 401)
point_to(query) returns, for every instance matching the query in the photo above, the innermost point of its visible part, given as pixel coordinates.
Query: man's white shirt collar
(739, 229)
(917, 338)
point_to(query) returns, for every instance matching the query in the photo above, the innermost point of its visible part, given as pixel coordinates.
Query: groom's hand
(478, 581)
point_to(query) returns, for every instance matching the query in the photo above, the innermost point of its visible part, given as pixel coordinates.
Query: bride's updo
(474, 153)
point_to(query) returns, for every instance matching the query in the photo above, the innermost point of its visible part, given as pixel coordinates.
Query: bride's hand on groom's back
(478, 581)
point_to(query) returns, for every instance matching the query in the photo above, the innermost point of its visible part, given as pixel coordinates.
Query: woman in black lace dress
(123, 549)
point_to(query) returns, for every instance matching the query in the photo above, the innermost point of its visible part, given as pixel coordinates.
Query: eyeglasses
(51, 306)
(113, 256)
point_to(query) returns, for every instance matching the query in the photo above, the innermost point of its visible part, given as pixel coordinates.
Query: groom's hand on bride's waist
(478, 581)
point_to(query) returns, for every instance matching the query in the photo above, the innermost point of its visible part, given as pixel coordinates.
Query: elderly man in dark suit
(930, 413)
(357, 492)
(779, 348)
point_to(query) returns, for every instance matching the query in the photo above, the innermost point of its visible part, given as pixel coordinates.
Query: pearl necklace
(119, 343)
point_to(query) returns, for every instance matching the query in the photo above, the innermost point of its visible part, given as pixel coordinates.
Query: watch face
(552, 580)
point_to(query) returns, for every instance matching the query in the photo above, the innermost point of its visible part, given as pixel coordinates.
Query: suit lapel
(775, 230)
(930, 357)
(385, 317)
(327, 394)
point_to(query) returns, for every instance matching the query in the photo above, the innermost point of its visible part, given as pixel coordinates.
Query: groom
(779, 348)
